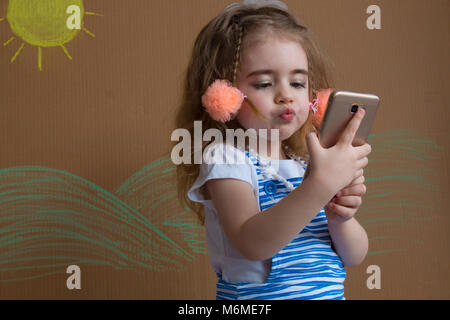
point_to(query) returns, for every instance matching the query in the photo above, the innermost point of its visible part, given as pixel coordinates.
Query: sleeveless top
(307, 268)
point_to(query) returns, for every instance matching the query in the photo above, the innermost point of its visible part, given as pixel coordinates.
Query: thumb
(312, 142)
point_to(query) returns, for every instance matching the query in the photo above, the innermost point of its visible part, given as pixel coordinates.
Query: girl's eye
(298, 85)
(261, 85)
(267, 84)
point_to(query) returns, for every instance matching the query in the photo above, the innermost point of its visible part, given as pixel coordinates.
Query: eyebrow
(268, 71)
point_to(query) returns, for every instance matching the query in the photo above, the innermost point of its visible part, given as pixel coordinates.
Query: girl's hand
(346, 202)
(336, 167)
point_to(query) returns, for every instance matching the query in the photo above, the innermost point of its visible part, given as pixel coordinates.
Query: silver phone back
(339, 112)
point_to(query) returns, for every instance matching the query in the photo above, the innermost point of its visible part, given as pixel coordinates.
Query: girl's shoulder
(222, 161)
(224, 153)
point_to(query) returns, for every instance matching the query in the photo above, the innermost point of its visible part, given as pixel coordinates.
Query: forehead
(273, 52)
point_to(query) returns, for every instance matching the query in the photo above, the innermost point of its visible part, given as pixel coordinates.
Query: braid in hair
(239, 29)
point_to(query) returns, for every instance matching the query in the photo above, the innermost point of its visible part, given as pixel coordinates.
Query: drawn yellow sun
(45, 23)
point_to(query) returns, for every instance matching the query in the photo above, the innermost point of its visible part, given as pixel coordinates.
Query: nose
(284, 96)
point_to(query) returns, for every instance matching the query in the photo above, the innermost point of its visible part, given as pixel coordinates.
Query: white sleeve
(221, 161)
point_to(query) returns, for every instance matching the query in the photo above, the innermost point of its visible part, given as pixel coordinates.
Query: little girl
(270, 233)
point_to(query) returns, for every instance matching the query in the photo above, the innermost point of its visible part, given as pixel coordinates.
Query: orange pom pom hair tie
(319, 106)
(221, 100)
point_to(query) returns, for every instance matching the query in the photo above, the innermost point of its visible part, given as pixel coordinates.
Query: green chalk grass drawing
(400, 191)
(50, 219)
(49, 215)
(45, 23)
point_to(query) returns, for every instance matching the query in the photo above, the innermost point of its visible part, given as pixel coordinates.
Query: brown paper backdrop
(109, 113)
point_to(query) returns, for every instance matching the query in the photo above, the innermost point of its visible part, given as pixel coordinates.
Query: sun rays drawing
(44, 24)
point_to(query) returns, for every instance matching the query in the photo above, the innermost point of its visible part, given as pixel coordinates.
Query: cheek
(302, 116)
(263, 104)
(248, 113)
(244, 116)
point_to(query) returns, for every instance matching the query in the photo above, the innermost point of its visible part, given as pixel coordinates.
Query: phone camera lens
(354, 108)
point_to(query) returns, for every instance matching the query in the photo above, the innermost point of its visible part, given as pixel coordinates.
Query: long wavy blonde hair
(216, 55)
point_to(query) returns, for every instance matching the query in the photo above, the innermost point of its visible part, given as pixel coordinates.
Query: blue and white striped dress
(307, 268)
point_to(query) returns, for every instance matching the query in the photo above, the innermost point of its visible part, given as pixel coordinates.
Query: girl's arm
(259, 236)
(350, 240)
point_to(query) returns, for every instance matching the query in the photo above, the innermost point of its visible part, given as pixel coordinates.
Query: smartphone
(341, 107)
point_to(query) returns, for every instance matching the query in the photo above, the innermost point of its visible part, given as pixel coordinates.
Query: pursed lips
(288, 114)
(288, 111)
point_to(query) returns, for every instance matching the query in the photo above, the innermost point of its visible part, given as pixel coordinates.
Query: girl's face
(273, 76)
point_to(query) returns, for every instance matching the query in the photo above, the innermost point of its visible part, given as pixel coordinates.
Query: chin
(286, 134)
(287, 131)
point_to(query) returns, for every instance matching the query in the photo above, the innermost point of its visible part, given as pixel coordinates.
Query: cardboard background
(108, 113)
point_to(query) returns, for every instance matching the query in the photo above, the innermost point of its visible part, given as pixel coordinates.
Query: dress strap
(268, 171)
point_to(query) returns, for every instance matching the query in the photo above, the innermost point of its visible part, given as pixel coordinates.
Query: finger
(358, 180)
(349, 133)
(362, 163)
(342, 211)
(363, 151)
(312, 143)
(348, 201)
(358, 173)
(355, 190)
